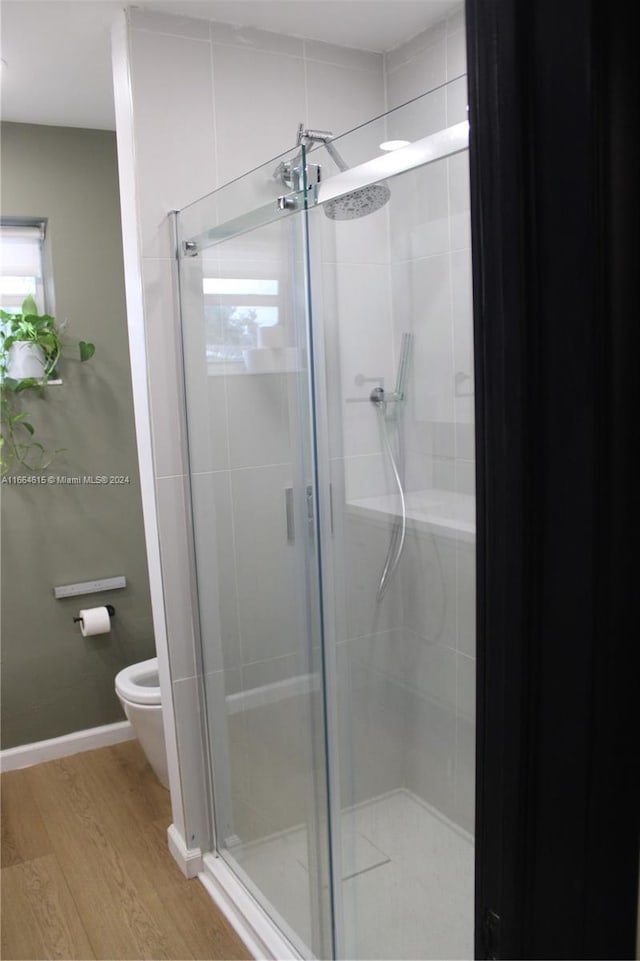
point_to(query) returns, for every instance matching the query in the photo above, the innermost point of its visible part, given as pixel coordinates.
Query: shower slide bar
(436, 146)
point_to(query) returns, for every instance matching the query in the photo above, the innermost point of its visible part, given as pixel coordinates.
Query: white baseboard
(189, 860)
(262, 938)
(26, 755)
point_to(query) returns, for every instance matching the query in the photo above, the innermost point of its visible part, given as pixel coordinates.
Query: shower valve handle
(381, 397)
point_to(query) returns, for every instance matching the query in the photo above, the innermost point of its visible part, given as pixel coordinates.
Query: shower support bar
(436, 146)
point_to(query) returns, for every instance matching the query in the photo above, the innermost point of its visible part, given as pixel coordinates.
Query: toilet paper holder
(111, 611)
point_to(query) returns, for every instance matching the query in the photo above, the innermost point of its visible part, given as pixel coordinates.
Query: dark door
(554, 170)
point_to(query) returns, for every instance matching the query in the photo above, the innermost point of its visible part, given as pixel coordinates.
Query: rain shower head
(358, 203)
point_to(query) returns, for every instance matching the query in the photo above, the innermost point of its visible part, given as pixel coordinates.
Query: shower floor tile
(407, 881)
(358, 853)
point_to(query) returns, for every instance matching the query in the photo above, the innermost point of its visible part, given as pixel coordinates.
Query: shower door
(244, 301)
(329, 377)
(392, 321)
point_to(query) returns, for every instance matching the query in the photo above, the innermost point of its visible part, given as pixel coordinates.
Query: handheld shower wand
(381, 398)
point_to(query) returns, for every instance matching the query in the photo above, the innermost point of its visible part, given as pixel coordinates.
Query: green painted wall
(53, 680)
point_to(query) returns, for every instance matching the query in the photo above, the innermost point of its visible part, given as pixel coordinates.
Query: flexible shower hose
(396, 545)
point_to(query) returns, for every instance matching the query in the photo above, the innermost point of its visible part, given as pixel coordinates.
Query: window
(235, 307)
(22, 264)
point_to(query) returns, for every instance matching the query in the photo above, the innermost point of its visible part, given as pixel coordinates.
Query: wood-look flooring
(86, 872)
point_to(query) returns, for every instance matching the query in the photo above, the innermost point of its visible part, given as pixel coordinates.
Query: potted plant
(30, 348)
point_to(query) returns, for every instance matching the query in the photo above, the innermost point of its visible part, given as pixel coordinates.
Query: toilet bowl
(138, 687)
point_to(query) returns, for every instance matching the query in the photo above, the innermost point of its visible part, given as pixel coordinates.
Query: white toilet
(138, 687)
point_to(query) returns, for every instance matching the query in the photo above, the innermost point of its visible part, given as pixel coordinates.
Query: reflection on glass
(235, 310)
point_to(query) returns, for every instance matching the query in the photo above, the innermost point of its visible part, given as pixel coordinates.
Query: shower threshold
(399, 857)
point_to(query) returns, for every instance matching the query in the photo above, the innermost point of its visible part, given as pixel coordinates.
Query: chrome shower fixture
(380, 397)
(351, 206)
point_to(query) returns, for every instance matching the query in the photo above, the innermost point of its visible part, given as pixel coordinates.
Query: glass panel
(392, 313)
(245, 203)
(244, 306)
(368, 684)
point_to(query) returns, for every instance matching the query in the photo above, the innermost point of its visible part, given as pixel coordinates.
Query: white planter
(25, 360)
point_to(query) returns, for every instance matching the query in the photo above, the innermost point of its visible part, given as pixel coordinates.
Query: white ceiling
(58, 51)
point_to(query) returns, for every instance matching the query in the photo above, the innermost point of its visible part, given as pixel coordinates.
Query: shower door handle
(290, 513)
(288, 508)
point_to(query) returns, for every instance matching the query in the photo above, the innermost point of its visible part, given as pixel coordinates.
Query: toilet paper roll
(94, 620)
(271, 336)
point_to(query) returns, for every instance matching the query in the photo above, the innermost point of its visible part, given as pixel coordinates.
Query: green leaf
(29, 427)
(86, 350)
(25, 383)
(29, 306)
(10, 383)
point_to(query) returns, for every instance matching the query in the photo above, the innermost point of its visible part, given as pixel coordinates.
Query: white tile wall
(431, 751)
(366, 349)
(465, 773)
(456, 48)
(466, 599)
(316, 50)
(425, 116)
(215, 554)
(457, 100)
(422, 296)
(174, 136)
(162, 342)
(342, 97)
(268, 567)
(424, 71)
(420, 213)
(258, 412)
(171, 499)
(257, 93)
(428, 575)
(372, 729)
(431, 296)
(365, 548)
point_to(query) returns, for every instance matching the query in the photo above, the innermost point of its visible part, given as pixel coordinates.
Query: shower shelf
(441, 512)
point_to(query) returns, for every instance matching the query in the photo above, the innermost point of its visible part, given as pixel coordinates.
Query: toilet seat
(139, 683)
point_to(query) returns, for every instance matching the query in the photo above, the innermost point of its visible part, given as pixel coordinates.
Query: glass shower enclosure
(327, 339)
